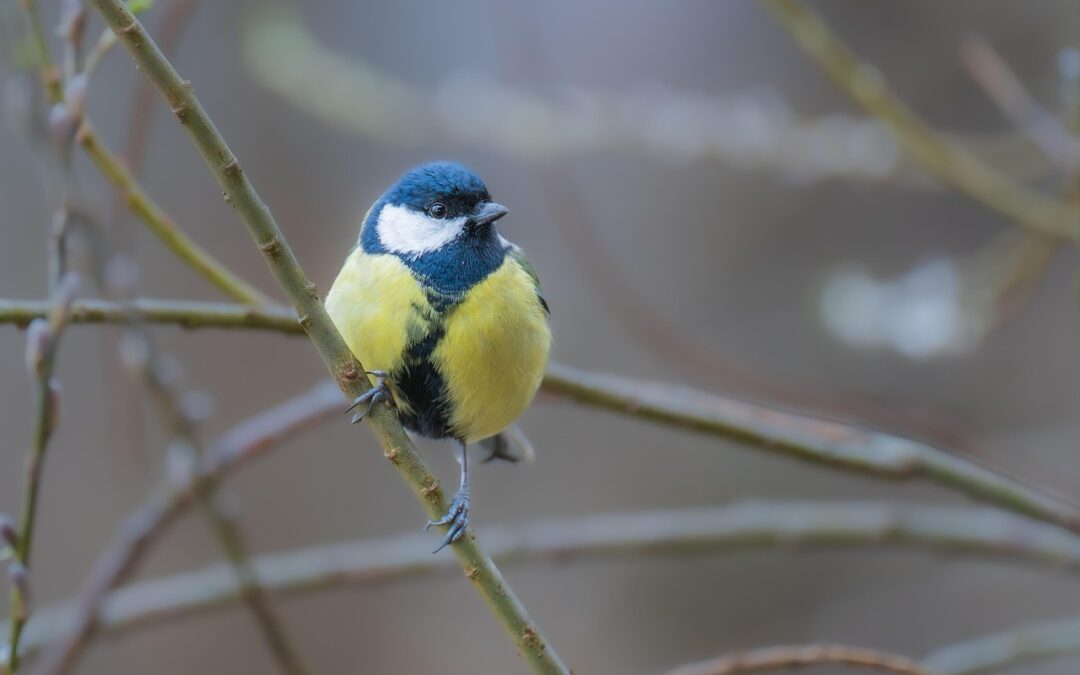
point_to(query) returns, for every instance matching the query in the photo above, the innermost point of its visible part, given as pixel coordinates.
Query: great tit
(448, 315)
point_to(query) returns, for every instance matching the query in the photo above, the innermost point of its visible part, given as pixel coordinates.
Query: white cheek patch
(403, 230)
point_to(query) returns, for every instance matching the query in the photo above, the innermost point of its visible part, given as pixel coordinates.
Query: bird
(446, 314)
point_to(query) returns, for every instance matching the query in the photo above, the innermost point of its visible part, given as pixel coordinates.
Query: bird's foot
(457, 518)
(377, 394)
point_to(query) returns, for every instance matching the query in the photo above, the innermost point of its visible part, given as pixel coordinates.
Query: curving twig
(43, 339)
(951, 163)
(803, 656)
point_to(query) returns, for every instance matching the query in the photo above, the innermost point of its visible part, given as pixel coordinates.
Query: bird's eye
(437, 210)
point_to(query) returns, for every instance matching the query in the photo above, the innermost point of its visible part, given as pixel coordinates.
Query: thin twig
(975, 532)
(949, 162)
(43, 340)
(188, 447)
(804, 656)
(345, 368)
(1001, 84)
(141, 109)
(824, 442)
(168, 501)
(159, 222)
(182, 313)
(1000, 650)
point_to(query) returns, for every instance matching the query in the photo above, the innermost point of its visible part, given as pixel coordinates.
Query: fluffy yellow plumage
(493, 351)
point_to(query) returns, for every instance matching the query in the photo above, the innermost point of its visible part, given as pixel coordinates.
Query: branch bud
(8, 536)
(39, 340)
(75, 95)
(54, 405)
(20, 581)
(61, 125)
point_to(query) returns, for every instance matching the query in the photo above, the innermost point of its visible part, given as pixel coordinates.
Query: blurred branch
(174, 238)
(818, 441)
(172, 498)
(804, 656)
(345, 368)
(1000, 650)
(183, 313)
(42, 343)
(977, 532)
(1001, 84)
(954, 165)
(186, 449)
(755, 130)
(173, 22)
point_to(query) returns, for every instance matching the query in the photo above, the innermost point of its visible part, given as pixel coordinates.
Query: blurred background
(703, 207)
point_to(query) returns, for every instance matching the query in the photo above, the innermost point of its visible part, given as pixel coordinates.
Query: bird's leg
(457, 516)
(380, 392)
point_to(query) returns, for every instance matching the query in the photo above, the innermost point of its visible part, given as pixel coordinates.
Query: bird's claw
(377, 394)
(456, 517)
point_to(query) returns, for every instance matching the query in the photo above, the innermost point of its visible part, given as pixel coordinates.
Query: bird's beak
(489, 212)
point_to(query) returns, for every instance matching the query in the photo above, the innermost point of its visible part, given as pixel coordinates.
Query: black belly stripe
(423, 387)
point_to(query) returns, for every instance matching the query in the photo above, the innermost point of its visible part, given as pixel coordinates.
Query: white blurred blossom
(920, 314)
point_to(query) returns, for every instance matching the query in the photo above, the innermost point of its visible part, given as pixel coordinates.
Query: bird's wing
(519, 257)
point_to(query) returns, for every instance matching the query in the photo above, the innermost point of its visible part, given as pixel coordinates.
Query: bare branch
(141, 529)
(802, 656)
(974, 532)
(1000, 650)
(949, 162)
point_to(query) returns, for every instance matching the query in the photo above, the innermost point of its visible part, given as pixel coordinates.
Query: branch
(138, 201)
(1003, 86)
(187, 446)
(43, 340)
(951, 163)
(1000, 650)
(345, 368)
(832, 444)
(178, 312)
(141, 529)
(975, 532)
(803, 656)
(159, 222)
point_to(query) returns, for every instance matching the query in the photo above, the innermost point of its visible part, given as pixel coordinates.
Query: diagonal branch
(345, 368)
(167, 502)
(954, 165)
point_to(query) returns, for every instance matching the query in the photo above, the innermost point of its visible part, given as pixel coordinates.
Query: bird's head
(431, 206)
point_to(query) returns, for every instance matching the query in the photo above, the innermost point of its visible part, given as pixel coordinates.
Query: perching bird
(448, 315)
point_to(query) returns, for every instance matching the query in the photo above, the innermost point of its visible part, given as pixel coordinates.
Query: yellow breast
(494, 352)
(491, 356)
